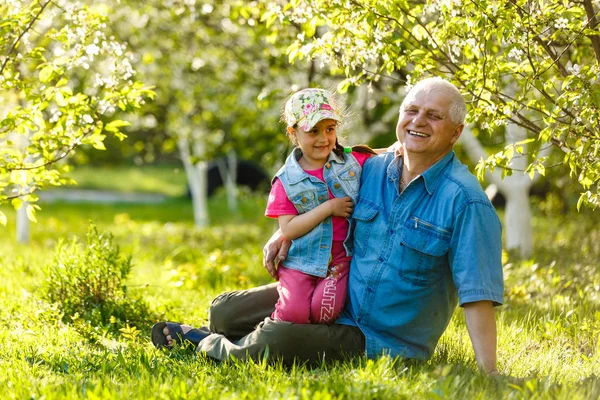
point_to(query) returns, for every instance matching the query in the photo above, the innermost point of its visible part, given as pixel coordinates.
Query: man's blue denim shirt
(418, 253)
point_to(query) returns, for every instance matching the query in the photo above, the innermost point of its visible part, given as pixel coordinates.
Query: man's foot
(166, 334)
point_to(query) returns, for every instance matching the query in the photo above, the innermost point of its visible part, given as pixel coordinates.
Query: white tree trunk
(197, 176)
(228, 172)
(22, 220)
(22, 224)
(515, 188)
(517, 219)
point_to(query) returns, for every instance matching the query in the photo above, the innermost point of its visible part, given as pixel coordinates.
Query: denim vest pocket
(424, 253)
(305, 201)
(363, 215)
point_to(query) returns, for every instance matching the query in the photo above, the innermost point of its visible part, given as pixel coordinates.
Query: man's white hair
(458, 108)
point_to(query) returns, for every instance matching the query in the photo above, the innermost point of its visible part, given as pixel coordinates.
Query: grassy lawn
(163, 179)
(549, 328)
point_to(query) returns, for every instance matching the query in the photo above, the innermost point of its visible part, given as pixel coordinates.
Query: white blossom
(92, 50)
(561, 23)
(515, 53)
(575, 69)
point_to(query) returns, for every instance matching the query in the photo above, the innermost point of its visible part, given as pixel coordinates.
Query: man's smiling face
(425, 126)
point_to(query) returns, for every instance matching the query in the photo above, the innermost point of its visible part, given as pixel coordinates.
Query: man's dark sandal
(190, 338)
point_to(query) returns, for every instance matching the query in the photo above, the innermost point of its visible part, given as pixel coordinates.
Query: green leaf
(98, 145)
(60, 99)
(46, 73)
(343, 86)
(114, 126)
(16, 203)
(31, 213)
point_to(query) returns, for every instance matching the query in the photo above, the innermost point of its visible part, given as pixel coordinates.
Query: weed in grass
(87, 284)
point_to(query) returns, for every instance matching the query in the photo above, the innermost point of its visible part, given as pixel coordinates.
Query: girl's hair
(359, 148)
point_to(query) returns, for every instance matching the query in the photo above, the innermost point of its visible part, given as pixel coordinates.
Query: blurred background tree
(61, 81)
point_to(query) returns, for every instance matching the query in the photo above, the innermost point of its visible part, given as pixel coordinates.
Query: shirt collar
(431, 176)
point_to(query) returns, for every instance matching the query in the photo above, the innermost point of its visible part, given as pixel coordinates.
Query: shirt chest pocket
(424, 252)
(363, 217)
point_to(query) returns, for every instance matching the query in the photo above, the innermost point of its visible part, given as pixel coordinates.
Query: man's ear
(457, 132)
(291, 131)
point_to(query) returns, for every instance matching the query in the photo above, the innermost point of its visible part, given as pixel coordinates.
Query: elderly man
(426, 238)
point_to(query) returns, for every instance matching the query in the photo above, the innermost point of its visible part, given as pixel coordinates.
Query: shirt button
(337, 185)
(304, 199)
(360, 320)
(328, 165)
(391, 231)
(370, 289)
(351, 173)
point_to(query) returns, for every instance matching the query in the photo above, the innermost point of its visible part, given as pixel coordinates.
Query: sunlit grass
(167, 180)
(548, 328)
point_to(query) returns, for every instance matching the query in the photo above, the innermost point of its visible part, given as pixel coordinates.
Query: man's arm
(481, 324)
(294, 226)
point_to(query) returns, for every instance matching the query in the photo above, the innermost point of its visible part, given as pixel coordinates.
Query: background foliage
(535, 64)
(61, 80)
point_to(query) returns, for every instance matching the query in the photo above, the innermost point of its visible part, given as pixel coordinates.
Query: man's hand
(481, 324)
(274, 252)
(341, 207)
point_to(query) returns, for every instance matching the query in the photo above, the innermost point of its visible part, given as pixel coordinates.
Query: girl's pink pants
(308, 299)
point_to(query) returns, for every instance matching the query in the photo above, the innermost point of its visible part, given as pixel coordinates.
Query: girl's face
(317, 143)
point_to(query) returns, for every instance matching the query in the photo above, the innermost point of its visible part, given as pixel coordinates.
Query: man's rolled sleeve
(476, 254)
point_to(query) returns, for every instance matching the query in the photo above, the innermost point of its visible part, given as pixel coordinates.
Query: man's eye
(435, 116)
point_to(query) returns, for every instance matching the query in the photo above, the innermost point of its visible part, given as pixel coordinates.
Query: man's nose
(419, 119)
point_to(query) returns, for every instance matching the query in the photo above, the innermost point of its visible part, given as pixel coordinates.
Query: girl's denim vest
(310, 253)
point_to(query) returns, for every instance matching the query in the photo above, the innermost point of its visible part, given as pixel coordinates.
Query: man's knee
(220, 313)
(280, 336)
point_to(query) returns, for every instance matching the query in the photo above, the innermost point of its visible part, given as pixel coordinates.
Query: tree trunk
(22, 224)
(517, 220)
(22, 220)
(197, 176)
(515, 188)
(228, 172)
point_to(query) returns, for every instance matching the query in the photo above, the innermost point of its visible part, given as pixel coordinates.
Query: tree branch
(16, 196)
(14, 45)
(63, 155)
(592, 22)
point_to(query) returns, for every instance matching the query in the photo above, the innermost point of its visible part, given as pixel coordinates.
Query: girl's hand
(341, 207)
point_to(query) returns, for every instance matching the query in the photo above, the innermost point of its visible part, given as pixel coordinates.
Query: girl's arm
(294, 226)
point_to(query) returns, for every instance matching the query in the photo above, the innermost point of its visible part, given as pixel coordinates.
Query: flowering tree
(219, 77)
(61, 81)
(531, 64)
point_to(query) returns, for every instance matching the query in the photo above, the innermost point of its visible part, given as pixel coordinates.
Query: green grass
(549, 328)
(167, 180)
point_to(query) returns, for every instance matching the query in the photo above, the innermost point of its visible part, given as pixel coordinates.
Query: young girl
(312, 197)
